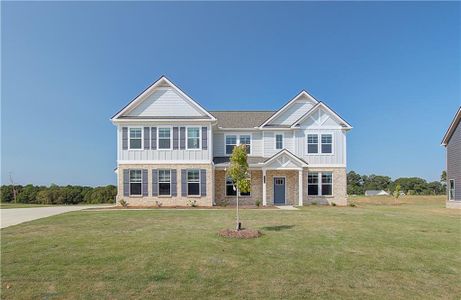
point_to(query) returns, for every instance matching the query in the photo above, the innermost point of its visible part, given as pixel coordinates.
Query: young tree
(238, 172)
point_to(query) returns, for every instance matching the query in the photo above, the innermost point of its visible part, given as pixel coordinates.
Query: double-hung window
(327, 184)
(325, 146)
(451, 189)
(164, 182)
(193, 137)
(313, 184)
(135, 138)
(135, 182)
(320, 184)
(231, 142)
(246, 140)
(327, 143)
(279, 141)
(164, 138)
(193, 182)
(312, 143)
(230, 188)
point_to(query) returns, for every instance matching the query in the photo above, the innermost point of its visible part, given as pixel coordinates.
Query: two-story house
(170, 150)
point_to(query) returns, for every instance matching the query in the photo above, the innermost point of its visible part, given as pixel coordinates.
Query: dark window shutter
(183, 183)
(144, 182)
(124, 138)
(173, 183)
(175, 137)
(182, 138)
(204, 138)
(203, 182)
(154, 138)
(154, 182)
(146, 138)
(126, 183)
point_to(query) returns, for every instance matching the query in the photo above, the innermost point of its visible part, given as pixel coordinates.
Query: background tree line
(357, 184)
(54, 194)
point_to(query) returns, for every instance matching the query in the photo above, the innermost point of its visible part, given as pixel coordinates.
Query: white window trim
(283, 142)
(199, 138)
(319, 143)
(449, 189)
(240, 193)
(237, 135)
(319, 184)
(129, 183)
(199, 182)
(142, 138)
(171, 137)
(158, 183)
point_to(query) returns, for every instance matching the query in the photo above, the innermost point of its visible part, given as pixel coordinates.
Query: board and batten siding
(162, 102)
(269, 142)
(173, 155)
(454, 161)
(219, 142)
(293, 113)
(338, 157)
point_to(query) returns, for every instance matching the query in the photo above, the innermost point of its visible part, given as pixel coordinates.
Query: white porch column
(264, 188)
(300, 187)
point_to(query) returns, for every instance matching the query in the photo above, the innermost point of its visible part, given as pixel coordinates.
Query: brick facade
(166, 200)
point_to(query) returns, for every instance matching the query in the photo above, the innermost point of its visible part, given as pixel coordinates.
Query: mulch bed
(240, 234)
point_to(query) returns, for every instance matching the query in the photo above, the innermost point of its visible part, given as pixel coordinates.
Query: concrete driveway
(13, 216)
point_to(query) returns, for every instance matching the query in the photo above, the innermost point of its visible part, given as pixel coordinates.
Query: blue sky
(391, 69)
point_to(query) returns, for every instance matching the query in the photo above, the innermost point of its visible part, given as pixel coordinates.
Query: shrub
(123, 203)
(224, 203)
(333, 204)
(258, 203)
(313, 203)
(352, 205)
(158, 204)
(192, 203)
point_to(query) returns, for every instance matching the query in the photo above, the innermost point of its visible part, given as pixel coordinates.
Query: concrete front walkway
(13, 216)
(287, 207)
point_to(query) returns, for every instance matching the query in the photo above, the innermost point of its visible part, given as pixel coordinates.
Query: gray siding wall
(454, 161)
(173, 155)
(256, 142)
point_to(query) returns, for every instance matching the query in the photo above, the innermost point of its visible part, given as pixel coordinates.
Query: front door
(279, 190)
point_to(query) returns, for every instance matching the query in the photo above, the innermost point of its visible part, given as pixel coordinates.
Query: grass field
(21, 205)
(375, 250)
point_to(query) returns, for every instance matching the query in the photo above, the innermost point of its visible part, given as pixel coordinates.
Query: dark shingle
(241, 119)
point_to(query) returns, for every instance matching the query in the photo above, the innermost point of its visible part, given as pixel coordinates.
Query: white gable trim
(286, 106)
(298, 161)
(163, 80)
(325, 107)
(454, 123)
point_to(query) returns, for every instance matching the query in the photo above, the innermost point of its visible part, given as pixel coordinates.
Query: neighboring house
(452, 141)
(173, 151)
(376, 193)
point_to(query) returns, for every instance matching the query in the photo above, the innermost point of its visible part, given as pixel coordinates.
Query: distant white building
(376, 193)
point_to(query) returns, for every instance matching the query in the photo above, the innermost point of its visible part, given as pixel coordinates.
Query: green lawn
(410, 250)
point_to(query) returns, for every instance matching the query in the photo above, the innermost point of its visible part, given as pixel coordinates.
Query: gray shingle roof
(241, 119)
(224, 161)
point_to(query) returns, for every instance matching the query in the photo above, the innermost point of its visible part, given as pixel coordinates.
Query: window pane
(278, 141)
(312, 148)
(135, 143)
(230, 190)
(245, 139)
(327, 177)
(231, 140)
(313, 178)
(135, 133)
(229, 149)
(164, 144)
(312, 138)
(164, 189)
(164, 175)
(193, 175)
(245, 194)
(135, 188)
(193, 132)
(135, 175)
(164, 133)
(326, 138)
(326, 148)
(313, 189)
(193, 188)
(193, 143)
(326, 189)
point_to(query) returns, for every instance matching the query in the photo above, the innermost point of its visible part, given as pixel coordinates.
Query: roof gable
(284, 160)
(321, 115)
(163, 99)
(453, 125)
(291, 111)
